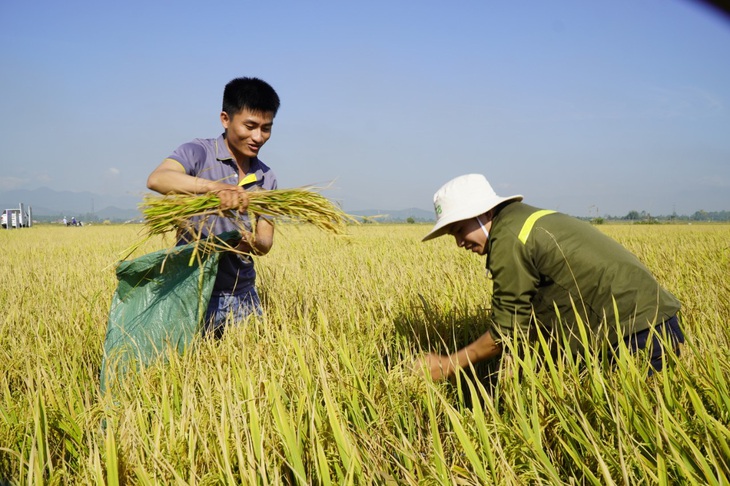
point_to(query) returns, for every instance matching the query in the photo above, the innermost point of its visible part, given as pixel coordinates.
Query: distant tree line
(644, 217)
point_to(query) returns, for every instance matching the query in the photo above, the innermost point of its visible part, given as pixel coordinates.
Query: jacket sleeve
(515, 278)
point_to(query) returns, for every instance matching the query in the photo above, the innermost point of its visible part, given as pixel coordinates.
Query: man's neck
(243, 163)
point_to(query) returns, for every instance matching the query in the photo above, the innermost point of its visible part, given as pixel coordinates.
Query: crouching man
(547, 267)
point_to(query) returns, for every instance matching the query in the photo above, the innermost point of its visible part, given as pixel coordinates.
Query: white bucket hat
(462, 198)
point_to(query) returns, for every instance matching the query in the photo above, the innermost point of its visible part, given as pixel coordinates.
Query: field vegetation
(322, 389)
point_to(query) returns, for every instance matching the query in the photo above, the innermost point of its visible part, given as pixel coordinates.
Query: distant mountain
(47, 202)
(396, 215)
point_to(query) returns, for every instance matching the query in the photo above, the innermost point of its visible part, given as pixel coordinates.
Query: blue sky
(597, 107)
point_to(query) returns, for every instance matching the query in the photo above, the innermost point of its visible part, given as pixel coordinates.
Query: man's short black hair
(249, 93)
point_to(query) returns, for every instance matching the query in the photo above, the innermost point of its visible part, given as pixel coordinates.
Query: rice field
(322, 389)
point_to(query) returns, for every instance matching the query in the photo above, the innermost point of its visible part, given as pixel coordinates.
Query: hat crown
(462, 191)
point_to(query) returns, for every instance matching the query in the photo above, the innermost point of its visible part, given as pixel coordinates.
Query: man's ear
(225, 119)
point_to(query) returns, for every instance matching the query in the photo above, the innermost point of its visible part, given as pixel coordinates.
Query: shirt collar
(221, 149)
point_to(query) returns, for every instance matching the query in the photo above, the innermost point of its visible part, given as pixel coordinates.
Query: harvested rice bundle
(302, 205)
(173, 211)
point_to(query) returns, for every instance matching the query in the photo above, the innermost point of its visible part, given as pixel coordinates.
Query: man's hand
(247, 244)
(259, 243)
(438, 366)
(232, 197)
(441, 367)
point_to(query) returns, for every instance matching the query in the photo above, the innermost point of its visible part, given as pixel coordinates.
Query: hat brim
(441, 226)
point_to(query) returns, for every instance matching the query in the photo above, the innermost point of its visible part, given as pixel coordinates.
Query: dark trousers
(664, 333)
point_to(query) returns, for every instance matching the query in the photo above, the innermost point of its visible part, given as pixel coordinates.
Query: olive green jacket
(559, 268)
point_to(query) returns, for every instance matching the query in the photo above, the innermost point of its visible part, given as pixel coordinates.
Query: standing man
(229, 166)
(546, 267)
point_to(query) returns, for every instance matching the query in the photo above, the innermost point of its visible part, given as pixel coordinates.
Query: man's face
(469, 235)
(247, 131)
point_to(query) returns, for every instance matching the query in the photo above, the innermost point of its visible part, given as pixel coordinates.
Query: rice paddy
(322, 389)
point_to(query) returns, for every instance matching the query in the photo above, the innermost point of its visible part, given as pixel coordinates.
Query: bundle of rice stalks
(173, 212)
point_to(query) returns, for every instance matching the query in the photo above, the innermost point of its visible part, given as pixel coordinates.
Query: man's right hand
(232, 198)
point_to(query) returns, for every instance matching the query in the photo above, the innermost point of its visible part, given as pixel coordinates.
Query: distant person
(65, 221)
(229, 166)
(73, 221)
(545, 267)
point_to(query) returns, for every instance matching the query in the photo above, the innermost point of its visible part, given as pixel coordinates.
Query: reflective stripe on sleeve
(530, 222)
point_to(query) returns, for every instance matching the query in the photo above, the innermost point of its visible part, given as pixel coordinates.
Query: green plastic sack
(159, 304)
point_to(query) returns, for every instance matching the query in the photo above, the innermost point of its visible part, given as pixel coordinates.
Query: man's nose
(258, 135)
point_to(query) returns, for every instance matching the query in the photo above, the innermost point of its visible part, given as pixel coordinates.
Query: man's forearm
(485, 347)
(440, 366)
(255, 245)
(262, 245)
(171, 182)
